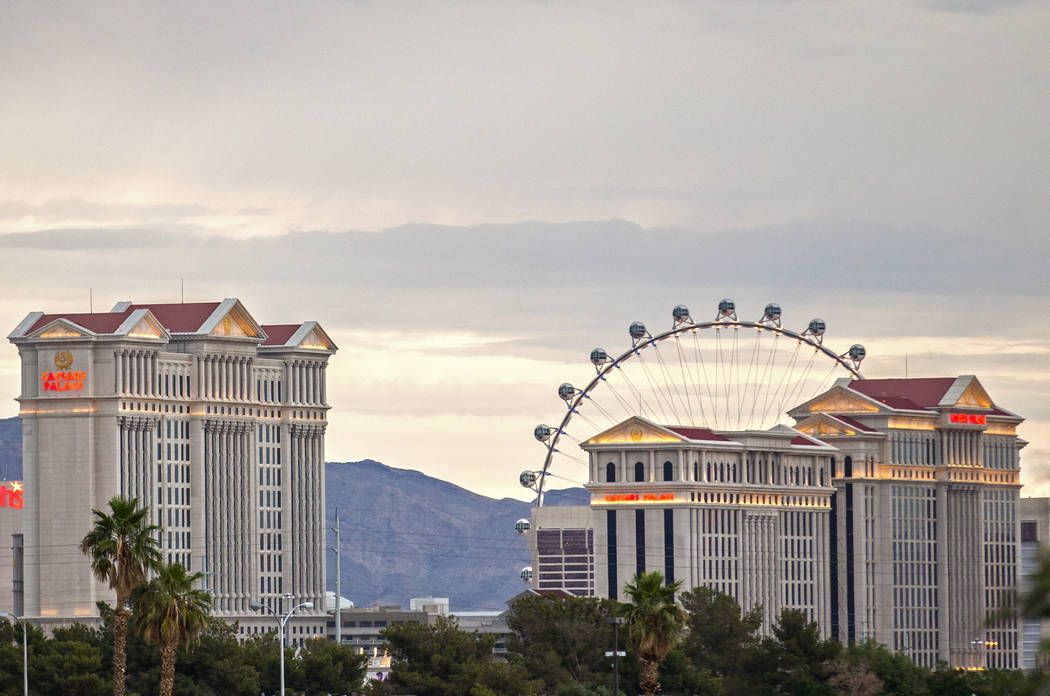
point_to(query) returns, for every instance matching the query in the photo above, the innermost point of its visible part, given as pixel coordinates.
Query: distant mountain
(404, 534)
(10, 449)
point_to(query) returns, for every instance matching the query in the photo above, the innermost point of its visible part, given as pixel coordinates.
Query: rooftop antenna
(91, 301)
(905, 366)
(182, 290)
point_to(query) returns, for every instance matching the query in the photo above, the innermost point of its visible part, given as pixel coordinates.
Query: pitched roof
(180, 317)
(696, 433)
(96, 322)
(913, 394)
(278, 334)
(856, 424)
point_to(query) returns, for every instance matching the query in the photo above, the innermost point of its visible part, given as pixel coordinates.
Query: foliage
(718, 632)
(170, 612)
(123, 548)
(440, 660)
(655, 622)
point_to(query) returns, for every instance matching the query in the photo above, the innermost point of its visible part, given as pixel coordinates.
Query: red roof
(856, 424)
(696, 433)
(803, 440)
(914, 394)
(278, 334)
(181, 317)
(98, 322)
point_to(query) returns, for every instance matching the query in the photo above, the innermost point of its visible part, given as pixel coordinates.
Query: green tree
(323, 666)
(170, 612)
(800, 655)
(441, 660)
(655, 623)
(123, 549)
(717, 631)
(563, 640)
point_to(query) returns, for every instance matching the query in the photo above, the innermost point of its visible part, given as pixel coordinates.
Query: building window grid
(1000, 575)
(797, 570)
(566, 560)
(268, 443)
(720, 550)
(914, 545)
(173, 488)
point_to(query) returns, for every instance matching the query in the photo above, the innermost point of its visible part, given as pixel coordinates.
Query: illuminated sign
(63, 381)
(11, 495)
(635, 497)
(968, 418)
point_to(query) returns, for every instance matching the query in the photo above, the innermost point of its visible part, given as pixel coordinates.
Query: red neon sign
(634, 497)
(63, 381)
(968, 418)
(11, 495)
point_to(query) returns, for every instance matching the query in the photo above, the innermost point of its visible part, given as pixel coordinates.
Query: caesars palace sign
(63, 379)
(11, 495)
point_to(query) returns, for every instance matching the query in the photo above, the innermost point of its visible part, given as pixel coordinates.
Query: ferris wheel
(728, 374)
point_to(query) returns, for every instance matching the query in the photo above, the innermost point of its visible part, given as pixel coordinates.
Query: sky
(469, 196)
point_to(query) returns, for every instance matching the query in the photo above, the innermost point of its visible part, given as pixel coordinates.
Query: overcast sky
(470, 196)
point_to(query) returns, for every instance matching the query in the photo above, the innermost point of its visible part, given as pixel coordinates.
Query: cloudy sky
(470, 196)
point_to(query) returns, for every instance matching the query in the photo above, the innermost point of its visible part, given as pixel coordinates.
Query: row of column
(913, 448)
(136, 459)
(306, 382)
(135, 373)
(306, 459)
(961, 447)
(229, 516)
(226, 377)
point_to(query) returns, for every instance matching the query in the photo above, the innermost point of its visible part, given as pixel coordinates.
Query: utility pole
(338, 585)
(616, 653)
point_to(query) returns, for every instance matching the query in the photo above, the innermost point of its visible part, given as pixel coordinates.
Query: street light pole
(25, 648)
(616, 653)
(281, 622)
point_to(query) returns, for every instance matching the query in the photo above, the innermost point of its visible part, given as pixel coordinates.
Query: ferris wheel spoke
(630, 384)
(796, 387)
(571, 458)
(623, 402)
(685, 382)
(652, 382)
(747, 379)
(671, 390)
(765, 373)
(700, 369)
(612, 419)
(771, 400)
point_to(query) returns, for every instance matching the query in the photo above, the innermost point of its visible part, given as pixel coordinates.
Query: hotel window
(639, 471)
(610, 472)
(668, 471)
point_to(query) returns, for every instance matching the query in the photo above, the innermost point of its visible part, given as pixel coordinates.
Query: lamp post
(616, 653)
(281, 622)
(25, 648)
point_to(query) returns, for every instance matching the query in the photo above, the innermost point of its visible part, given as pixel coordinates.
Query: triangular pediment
(141, 323)
(61, 328)
(838, 399)
(974, 396)
(232, 320)
(311, 336)
(822, 425)
(635, 431)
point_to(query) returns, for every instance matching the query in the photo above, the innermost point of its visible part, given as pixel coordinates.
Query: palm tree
(123, 549)
(655, 623)
(170, 612)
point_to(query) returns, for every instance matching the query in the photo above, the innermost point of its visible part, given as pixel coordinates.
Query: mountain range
(404, 534)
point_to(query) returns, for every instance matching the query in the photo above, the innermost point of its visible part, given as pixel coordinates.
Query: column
(324, 384)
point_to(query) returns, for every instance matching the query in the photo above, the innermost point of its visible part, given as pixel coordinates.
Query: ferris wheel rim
(678, 328)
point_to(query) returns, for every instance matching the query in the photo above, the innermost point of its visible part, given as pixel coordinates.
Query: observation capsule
(637, 330)
(599, 357)
(527, 478)
(542, 432)
(680, 313)
(566, 391)
(772, 312)
(522, 526)
(726, 306)
(857, 352)
(526, 575)
(817, 327)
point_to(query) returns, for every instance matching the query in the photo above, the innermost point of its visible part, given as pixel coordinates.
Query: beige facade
(745, 513)
(889, 512)
(213, 421)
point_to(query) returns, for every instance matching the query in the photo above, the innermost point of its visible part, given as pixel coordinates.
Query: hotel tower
(213, 421)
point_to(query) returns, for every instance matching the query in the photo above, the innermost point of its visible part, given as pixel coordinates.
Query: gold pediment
(822, 426)
(60, 330)
(974, 396)
(634, 431)
(839, 402)
(146, 328)
(315, 341)
(236, 323)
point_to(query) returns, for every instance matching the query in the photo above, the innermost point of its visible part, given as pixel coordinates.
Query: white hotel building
(890, 512)
(213, 421)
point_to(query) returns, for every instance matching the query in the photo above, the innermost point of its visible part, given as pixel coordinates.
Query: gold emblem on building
(636, 435)
(63, 359)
